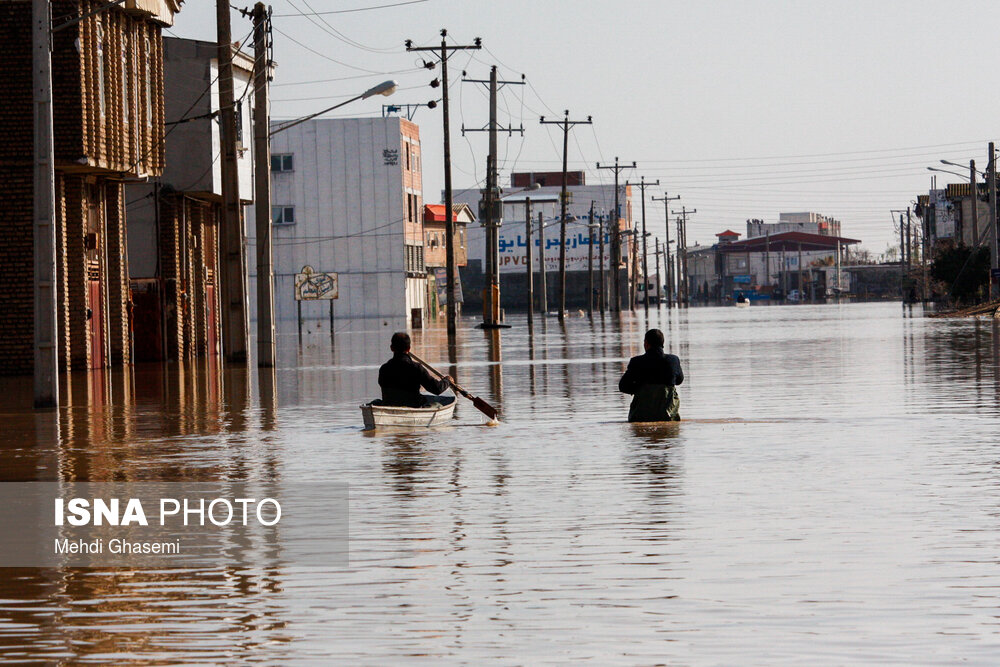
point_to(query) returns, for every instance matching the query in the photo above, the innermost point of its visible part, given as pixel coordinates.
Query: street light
(962, 166)
(385, 88)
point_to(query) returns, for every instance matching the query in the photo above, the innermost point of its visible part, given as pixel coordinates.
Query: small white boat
(376, 415)
(742, 304)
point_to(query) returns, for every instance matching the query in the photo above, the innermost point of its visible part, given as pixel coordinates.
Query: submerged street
(829, 496)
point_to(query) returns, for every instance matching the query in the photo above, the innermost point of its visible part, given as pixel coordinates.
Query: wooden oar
(480, 404)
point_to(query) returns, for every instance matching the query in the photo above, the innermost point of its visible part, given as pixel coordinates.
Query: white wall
(349, 210)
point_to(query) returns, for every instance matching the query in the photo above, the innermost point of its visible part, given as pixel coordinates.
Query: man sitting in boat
(401, 378)
(652, 379)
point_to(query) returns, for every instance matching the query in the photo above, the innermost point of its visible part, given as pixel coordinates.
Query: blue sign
(742, 280)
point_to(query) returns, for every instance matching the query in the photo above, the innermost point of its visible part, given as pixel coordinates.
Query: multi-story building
(173, 234)
(435, 249)
(107, 98)
(347, 198)
(545, 201)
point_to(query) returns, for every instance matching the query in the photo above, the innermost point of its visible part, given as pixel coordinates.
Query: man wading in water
(652, 379)
(401, 378)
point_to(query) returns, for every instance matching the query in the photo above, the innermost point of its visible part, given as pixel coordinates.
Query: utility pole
(262, 185)
(449, 214)
(602, 301)
(975, 202)
(658, 283)
(235, 323)
(682, 286)
(544, 295)
(991, 180)
(527, 260)
(642, 187)
(491, 214)
(590, 261)
(46, 331)
(566, 124)
(902, 264)
(666, 199)
(616, 239)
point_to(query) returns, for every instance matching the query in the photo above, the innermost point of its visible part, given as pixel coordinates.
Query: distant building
(347, 198)
(769, 265)
(545, 201)
(108, 117)
(173, 230)
(435, 254)
(813, 223)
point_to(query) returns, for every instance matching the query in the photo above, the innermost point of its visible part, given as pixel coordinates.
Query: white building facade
(347, 198)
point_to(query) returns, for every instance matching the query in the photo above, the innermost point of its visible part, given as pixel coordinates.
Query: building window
(461, 239)
(100, 66)
(415, 259)
(283, 215)
(282, 163)
(407, 155)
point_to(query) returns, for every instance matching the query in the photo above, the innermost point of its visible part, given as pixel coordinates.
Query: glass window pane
(286, 163)
(289, 214)
(275, 163)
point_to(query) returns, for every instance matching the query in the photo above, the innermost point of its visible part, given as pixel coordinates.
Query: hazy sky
(745, 109)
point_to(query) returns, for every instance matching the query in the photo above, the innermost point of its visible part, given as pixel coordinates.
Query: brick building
(107, 73)
(435, 250)
(173, 231)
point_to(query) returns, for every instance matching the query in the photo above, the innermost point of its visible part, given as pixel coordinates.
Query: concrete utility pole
(527, 260)
(590, 260)
(616, 239)
(262, 185)
(235, 322)
(991, 179)
(666, 199)
(491, 214)
(46, 331)
(642, 187)
(682, 286)
(449, 214)
(544, 294)
(566, 124)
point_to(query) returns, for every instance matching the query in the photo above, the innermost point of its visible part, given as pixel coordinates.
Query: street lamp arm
(385, 88)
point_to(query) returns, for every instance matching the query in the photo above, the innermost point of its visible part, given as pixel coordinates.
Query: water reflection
(832, 458)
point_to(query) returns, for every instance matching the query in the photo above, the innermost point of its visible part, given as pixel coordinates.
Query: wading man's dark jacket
(652, 379)
(401, 379)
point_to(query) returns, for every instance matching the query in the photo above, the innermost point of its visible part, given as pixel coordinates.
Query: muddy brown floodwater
(832, 496)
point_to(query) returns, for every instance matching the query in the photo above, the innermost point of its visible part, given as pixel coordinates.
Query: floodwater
(832, 496)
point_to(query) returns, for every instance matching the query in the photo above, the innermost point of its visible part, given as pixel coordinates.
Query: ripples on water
(831, 497)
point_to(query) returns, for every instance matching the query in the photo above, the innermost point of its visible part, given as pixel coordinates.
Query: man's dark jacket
(652, 379)
(401, 379)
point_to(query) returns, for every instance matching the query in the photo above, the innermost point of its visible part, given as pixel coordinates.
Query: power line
(358, 9)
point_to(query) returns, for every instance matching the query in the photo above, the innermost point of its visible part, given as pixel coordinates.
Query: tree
(964, 271)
